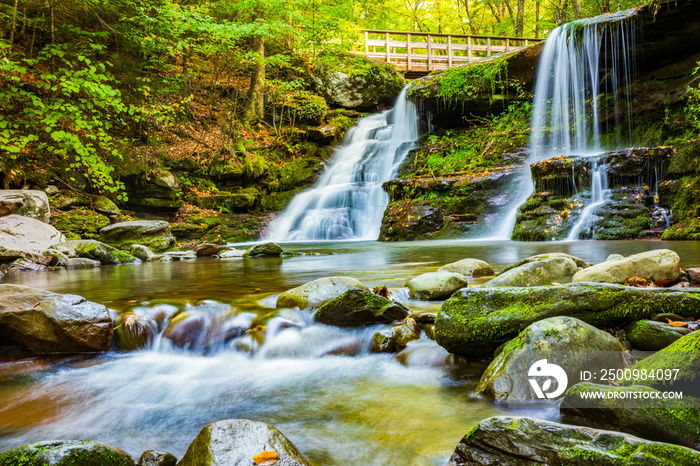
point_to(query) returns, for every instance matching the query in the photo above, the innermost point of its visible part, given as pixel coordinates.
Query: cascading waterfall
(348, 201)
(599, 196)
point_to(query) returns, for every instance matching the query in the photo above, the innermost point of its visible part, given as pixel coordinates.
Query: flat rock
(25, 202)
(181, 255)
(656, 265)
(27, 238)
(537, 273)
(152, 233)
(81, 263)
(551, 255)
(469, 268)
(359, 307)
(66, 453)
(435, 285)
(313, 294)
(231, 253)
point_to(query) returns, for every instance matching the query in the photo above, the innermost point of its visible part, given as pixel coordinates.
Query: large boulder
(536, 273)
(313, 294)
(551, 255)
(66, 453)
(469, 267)
(154, 234)
(264, 250)
(572, 344)
(359, 307)
(106, 255)
(652, 417)
(650, 335)
(475, 321)
(435, 285)
(517, 441)
(237, 442)
(154, 191)
(46, 322)
(656, 265)
(25, 202)
(26, 238)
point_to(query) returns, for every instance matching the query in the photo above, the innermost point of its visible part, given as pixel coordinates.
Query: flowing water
(600, 194)
(363, 409)
(348, 201)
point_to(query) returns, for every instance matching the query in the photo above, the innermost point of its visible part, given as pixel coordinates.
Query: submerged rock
(475, 321)
(313, 294)
(152, 233)
(396, 337)
(656, 265)
(652, 336)
(536, 273)
(46, 322)
(26, 238)
(358, 307)
(264, 250)
(157, 458)
(426, 353)
(469, 267)
(435, 285)
(66, 453)
(506, 440)
(237, 441)
(25, 202)
(506, 377)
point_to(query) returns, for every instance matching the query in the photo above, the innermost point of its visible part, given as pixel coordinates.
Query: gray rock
(81, 263)
(505, 378)
(264, 250)
(25, 202)
(51, 190)
(27, 238)
(66, 453)
(520, 441)
(435, 285)
(359, 307)
(656, 265)
(323, 134)
(693, 275)
(157, 458)
(141, 252)
(154, 234)
(209, 249)
(313, 294)
(650, 335)
(537, 273)
(551, 255)
(237, 441)
(231, 253)
(106, 255)
(181, 255)
(105, 206)
(396, 337)
(58, 259)
(614, 257)
(46, 322)
(469, 268)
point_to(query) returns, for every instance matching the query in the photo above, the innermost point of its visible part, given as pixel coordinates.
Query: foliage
(473, 81)
(693, 96)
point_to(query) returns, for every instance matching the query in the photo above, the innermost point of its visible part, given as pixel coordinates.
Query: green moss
(82, 223)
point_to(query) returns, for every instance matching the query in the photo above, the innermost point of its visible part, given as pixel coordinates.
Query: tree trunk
(520, 19)
(469, 17)
(606, 6)
(578, 12)
(537, 19)
(255, 101)
(12, 29)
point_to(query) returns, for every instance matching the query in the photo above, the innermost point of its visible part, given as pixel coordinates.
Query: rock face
(159, 191)
(358, 307)
(25, 202)
(656, 265)
(525, 441)
(435, 285)
(505, 378)
(46, 322)
(154, 234)
(313, 294)
(27, 238)
(395, 338)
(650, 335)
(671, 421)
(475, 321)
(536, 273)
(264, 250)
(469, 268)
(237, 441)
(66, 453)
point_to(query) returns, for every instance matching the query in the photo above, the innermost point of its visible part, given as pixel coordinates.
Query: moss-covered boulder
(536, 273)
(152, 233)
(154, 191)
(572, 344)
(157, 458)
(359, 307)
(469, 268)
(396, 337)
(475, 321)
(82, 223)
(650, 335)
(435, 285)
(551, 255)
(313, 294)
(656, 265)
(105, 206)
(520, 441)
(107, 255)
(609, 407)
(66, 453)
(264, 250)
(237, 441)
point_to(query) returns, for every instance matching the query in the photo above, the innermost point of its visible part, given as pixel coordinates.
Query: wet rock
(424, 317)
(105, 206)
(187, 330)
(475, 321)
(152, 233)
(544, 257)
(313, 294)
(134, 332)
(396, 337)
(81, 263)
(141, 252)
(66, 453)
(45, 322)
(469, 268)
(650, 335)
(693, 275)
(106, 255)
(26, 238)
(506, 440)
(359, 307)
(264, 250)
(157, 458)
(671, 421)
(505, 378)
(536, 273)
(237, 441)
(209, 249)
(410, 220)
(435, 285)
(25, 202)
(423, 353)
(181, 255)
(656, 265)
(231, 253)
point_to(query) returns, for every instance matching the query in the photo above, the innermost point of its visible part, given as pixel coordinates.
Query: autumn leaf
(674, 323)
(265, 458)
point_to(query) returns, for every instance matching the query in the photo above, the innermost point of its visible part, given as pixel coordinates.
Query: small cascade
(600, 193)
(348, 201)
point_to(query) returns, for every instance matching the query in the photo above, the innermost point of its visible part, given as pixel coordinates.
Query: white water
(348, 201)
(600, 194)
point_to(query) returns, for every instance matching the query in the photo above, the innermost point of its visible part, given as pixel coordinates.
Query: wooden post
(449, 51)
(388, 58)
(488, 46)
(507, 45)
(469, 48)
(366, 41)
(408, 51)
(525, 42)
(430, 55)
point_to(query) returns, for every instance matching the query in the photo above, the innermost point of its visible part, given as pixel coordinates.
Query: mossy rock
(475, 321)
(536, 273)
(82, 223)
(435, 285)
(359, 307)
(650, 335)
(66, 453)
(686, 230)
(105, 254)
(154, 234)
(314, 294)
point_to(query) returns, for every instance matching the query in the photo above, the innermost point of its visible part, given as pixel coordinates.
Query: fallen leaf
(674, 323)
(555, 284)
(37, 304)
(265, 458)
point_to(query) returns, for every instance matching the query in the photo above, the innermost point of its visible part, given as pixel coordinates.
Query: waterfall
(348, 201)
(599, 196)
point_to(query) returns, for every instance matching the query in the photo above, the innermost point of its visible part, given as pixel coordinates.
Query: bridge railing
(421, 51)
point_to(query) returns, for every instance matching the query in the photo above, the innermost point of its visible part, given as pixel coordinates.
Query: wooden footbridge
(419, 53)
